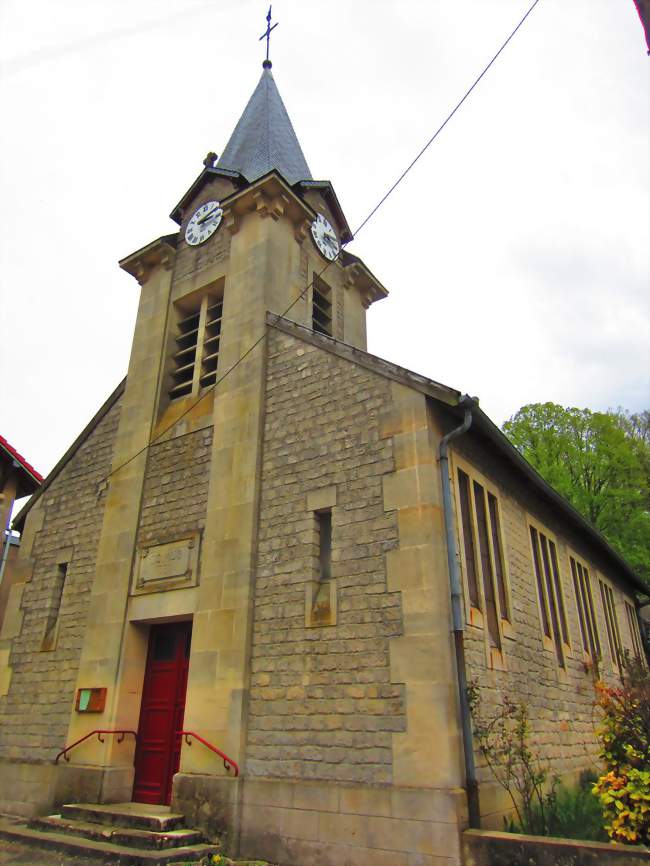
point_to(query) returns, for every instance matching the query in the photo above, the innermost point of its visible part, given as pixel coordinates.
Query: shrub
(503, 742)
(624, 733)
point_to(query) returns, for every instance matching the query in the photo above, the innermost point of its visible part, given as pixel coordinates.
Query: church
(256, 586)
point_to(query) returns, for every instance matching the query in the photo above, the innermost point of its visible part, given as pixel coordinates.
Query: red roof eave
(34, 476)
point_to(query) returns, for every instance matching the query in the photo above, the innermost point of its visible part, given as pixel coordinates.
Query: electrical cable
(299, 297)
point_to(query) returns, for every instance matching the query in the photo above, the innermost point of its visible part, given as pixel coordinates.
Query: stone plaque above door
(172, 565)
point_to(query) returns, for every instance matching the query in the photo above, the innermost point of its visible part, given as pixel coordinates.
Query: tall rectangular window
(196, 353)
(486, 566)
(324, 524)
(611, 621)
(585, 605)
(483, 554)
(549, 589)
(321, 317)
(52, 621)
(468, 538)
(635, 634)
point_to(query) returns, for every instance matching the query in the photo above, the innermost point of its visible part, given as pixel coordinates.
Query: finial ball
(266, 64)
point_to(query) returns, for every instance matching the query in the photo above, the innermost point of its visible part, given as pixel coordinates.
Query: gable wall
(560, 707)
(64, 525)
(322, 705)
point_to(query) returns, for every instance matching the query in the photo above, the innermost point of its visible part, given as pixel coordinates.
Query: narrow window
(558, 592)
(486, 566)
(551, 599)
(549, 588)
(581, 611)
(468, 538)
(196, 352)
(324, 523)
(493, 506)
(185, 356)
(540, 584)
(321, 307)
(633, 625)
(611, 622)
(585, 605)
(58, 586)
(211, 341)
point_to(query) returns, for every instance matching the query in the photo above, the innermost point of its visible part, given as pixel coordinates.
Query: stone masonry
(560, 706)
(322, 705)
(175, 488)
(34, 715)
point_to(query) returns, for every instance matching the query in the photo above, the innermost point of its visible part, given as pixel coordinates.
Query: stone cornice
(358, 276)
(159, 253)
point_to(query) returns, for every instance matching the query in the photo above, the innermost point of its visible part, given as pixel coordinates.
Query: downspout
(458, 625)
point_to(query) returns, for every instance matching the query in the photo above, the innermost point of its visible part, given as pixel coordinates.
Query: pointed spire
(264, 138)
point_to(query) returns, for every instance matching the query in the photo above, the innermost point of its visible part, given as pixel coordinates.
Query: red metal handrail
(227, 762)
(99, 733)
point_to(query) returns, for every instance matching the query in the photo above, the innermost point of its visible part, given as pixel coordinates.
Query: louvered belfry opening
(322, 307)
(196, 349)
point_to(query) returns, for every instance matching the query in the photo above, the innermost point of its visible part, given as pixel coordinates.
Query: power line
(299, 297)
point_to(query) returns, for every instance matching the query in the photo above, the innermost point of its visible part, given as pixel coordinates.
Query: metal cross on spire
(267, 35)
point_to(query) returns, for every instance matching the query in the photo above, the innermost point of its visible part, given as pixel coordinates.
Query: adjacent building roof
(28, 478)
(264, 138)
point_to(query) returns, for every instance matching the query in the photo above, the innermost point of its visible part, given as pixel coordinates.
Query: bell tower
(257, 235)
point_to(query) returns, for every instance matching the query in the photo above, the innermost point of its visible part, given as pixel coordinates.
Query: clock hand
(208, 215)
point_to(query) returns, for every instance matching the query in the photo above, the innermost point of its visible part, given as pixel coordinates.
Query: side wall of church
(61, 531)
(322, 705)
(559, 703)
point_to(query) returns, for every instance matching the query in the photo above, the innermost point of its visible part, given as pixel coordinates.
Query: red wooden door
(157, 754)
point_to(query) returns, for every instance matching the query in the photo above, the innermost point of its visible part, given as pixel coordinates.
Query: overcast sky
(516, 252)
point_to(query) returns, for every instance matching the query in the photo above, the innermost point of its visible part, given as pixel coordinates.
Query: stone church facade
(266, 564)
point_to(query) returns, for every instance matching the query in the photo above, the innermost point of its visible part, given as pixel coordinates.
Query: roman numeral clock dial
(325, 238)
(203, 223)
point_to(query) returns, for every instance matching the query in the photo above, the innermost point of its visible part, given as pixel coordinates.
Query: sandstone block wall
(176, 488)
(35, 713)
(560, 705)
(322, 704)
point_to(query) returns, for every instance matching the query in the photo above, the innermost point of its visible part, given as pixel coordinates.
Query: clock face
(204, 223)
(325, 238)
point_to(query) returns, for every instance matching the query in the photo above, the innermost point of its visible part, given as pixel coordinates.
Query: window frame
(207, 308)
(611, 625)
(477, 616)
(550, 575)
(592, 634)
(634, 630)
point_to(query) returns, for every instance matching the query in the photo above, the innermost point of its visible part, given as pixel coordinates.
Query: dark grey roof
(264, 138)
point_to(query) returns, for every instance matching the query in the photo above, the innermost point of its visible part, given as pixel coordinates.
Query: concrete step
(127, 836)
(106, 853)
(139, 816)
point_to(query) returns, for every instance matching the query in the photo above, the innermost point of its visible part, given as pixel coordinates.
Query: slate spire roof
(264, 138)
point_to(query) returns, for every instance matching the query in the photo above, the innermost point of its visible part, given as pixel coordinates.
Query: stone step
(106, 853)
(125, 836)
(138, 816)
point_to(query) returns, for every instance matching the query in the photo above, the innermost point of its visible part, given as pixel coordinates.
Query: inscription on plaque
(172, 564)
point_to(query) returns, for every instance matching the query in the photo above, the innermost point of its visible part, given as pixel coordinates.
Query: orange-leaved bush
(624, 733)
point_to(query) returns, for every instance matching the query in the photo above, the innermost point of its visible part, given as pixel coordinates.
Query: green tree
(600, 461)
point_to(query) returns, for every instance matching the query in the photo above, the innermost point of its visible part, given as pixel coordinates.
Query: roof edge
(487, 426)
(387, 369)
(457, 401)
(19, 519)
